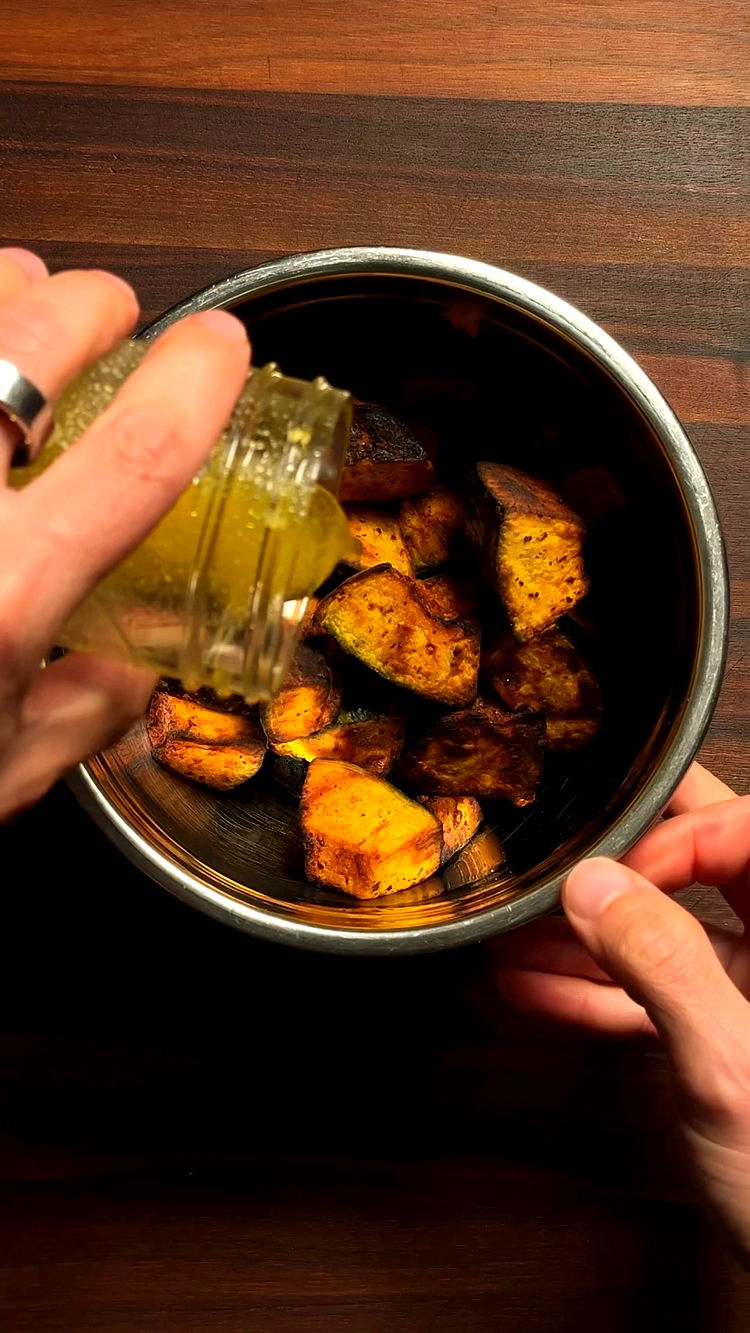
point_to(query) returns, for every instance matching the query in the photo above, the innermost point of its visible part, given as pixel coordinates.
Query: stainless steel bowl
(494, 365)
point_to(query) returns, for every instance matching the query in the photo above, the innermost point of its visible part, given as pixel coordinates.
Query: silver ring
(27, 408)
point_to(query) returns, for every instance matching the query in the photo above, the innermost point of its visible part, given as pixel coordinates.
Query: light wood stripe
(688, 52)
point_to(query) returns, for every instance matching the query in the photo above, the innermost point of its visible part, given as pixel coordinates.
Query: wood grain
(691, 53)
(198, 1130)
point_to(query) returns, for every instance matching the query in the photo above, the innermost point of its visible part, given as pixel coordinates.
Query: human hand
(630, 960)
(70, 526)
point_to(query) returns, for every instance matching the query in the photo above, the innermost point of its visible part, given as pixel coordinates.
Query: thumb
(663, 958)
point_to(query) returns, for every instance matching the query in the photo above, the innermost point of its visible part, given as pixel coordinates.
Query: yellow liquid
(240, 542)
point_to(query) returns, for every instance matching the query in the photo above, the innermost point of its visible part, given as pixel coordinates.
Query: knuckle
(30, 332)
(142, 444)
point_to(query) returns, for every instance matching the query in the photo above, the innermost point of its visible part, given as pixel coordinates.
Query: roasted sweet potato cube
(571, 731)
(220, 750)
(308, 700)
(480, 751)
(546, 674)
(531, 546)
(371, 741)
(380, 539)
(459, 818)
(430, 524)
(379, 617)
(384, 459)
(362, 835)
(450, 598)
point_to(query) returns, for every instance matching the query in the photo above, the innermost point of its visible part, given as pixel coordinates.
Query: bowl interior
(490, 381)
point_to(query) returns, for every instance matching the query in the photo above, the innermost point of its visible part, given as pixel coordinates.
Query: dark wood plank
(507, 182)
(694, 52)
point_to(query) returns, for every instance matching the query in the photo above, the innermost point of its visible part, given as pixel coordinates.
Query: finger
(547, 945)
(104, 495)
(664, 960)
(18, 269)
(698, 788)
(52, 329)
(575, 1001)
(708, 846)
(74, 708)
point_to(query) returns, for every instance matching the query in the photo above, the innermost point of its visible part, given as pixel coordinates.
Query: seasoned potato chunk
(531, 545)
(384, 459)
(430, 524)
(308, 700)
(459, 816)
(448, 597)
(220, 750)
(545, 675)
(363, 836)
(371, 741)
(379, 617)
(380, 539)
(481, 751)
(571, 731)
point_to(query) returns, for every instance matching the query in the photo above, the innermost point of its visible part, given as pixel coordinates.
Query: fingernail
(116, 281)
(593, 885)
(222, 322)
(34, 267)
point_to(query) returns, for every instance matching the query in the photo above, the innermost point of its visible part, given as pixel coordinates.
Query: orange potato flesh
(449, 597)
(481, 751)
(571, 732)
(362, 835)
(308, 700)
(380, 539)
(459, 817)
(373, 744)
(220, 750)
(545, 675)
(531, 546)
(379, 618)
(430, 524)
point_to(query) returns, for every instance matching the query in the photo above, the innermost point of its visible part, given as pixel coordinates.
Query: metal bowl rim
(488, 280)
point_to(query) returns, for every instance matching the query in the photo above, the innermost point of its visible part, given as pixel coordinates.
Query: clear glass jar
(216, 593)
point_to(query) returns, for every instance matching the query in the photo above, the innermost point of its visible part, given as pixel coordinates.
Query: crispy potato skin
(221, 750)
(380, 539)
(448, 597)
(429, 524)
(363, 836)
(459, 816)
(384, 459)
(371, 743)
(379, 618)
(308, 700)
(531, 546)
(480, 751)
(546, 674)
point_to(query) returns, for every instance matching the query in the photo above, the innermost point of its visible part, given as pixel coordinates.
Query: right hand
(71, 525)
(630, 960)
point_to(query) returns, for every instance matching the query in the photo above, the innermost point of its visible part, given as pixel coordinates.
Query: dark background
(199, 1131)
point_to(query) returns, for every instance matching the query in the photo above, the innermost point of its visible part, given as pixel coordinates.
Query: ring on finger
(28, 409)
